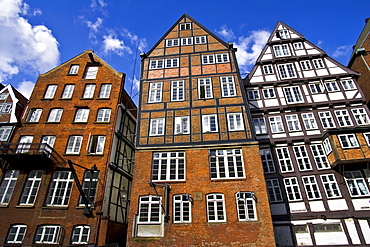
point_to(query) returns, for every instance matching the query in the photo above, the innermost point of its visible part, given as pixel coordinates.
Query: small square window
(253, 94)
(185, 26)
(73, 70)
(268, 70)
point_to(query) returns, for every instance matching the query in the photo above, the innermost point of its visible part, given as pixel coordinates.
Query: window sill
(4, 206)
(86, 98)
(103, 98)
(101, 122)
(55, 208)
(72, 75)
(71, 154)
(52, 122)
(65, 98)
(79, 122)
(24, 206)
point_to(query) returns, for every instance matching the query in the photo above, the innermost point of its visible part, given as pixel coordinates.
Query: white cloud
(226, 33)
(249, 48)
(98, 3)
(25, 88)
(134, 39)
(341, 51)
(111, 44)
(94, 27)
(319, 43)
(26, 48)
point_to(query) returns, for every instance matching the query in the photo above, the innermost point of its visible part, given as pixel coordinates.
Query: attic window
(74, 69)
(91, 72)
(283, 34)
(185, 26)
(4, 96)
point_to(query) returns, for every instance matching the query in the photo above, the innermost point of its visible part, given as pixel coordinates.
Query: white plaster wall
(316, 206)
(297, 207)
(337, 204)
(365, 230)
(352, 231)
(361, 204)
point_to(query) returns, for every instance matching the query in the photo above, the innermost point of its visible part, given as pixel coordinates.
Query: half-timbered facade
(309, 116)
(198, 178)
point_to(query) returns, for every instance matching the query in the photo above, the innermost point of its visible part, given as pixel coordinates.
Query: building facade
(198, 178)
(313, 127)
(69, 167)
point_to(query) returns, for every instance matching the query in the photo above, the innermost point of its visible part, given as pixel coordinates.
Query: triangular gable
(16, 98)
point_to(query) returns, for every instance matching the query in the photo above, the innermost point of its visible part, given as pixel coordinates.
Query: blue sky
(37, 35)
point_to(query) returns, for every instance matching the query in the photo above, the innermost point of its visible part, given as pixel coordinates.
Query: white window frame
(311, 187)
(274, 190)
(292, 189)
(281, 50)
(348, 141)
(16, 234)
(89, 91)
(73, 70)
(216, 211)
(228, 86)
(268, 93)
(55, 115)
(208, 59)
(172, 42)
(309, 121)
(235, 121)
(150, 210)
(343, 118)
(226, 164)
(284, 160)
(259, 125)
(48, 234)
(253, 94)
(5, 132)
(292, 122)
(82, 115)
(321, 160)
(284, 34)
(348, 84)
(185, 26)
(293, 95)
(105, 90)
(268, 163)
(74, 144)
(80, 234)
(91, 72)
(168, 166)
(31, 188)
(24, 144)
(186, 41)
(361, 116)
(327, 146)
(89, 184)
(4, 96)
(246, 206)
(178, 90)
(205, 88)
(356, 183)
(157, 126)
(326, 120)
(276, 124)
(96, 145)
(302, 158)
(298, 46)
(155, 92)
(103, 115)
(268, 69)
(156, 64)
(7, 186)
(68, 91)
(60, 189)
(200, 40)
(306, 65)
(172, 63)
(181, 208)
(330, 186)
(34, 115)
(318, 63)
(316, 88)
(50, 91)
(331, 86)
(182, 125)
(287, 71)
(222, 57)
(209, 123)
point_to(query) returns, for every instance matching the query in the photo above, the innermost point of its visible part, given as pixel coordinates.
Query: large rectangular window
(80, 234)
(50, 91)
(361, 116)
(31, 188)
(103, 115)
(7, 186)
(293, 95)
(311, 187)
(281, 50)
(91, 72)
(330, 185)
(343, 118)
(326, 120)
(60, 189)
(226, 164)
(216, 208)
(96, 144)
(105, 91)
(222, 58)
(348, 141)
(273, 189)
(156, 64)
(287, 71)
(89, 185)
(68, 91)
(48, 234)
(200, 40)
(89, 91)
(293, 122)
(157, 126)
(302, 158)
(292, 189)
(34, 115)
(55, 115)
(319, 156)
(16, 234)
(284, 159)
(309, 121)
(348, 84)
(182, 125)
(235, 121)
(267, 160)
(331, 86)
(81, 115)
(74, 145)
(208, 59)
(246, 206)
(172, 63)
(181, 209)
(205, 88)
(276, 124)
(5, 133)
(168, 166)
(209, 123)
(177, 90)
(259, 125)
(228, 86)
(356, 183)
(172, 42)
(150, 210)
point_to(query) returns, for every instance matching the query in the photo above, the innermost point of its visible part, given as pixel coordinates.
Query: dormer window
(91, 72)
(185, 26)
(283, 34)
(74, 69)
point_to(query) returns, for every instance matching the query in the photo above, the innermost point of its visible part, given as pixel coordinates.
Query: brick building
(198, 178)
(69, 166)
(314, 132)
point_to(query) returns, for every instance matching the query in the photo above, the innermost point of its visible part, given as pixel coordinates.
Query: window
(326, 120)
(89, 91)
(34, 115)
(185, 26)
(327, 228)
(5, 133)
(208, 59)
(356, 183)
(228, 86)
(50, 91)
(293, 122)
(268, 93)
(330, 185)
(292, 189)
(348, 141)
(367, 138)
(55, 115)
(181, 209)
(105, 91)
(309, 121)
(209, 123)
(327, 146)
(73, 70)
(267, 160)
(287, 71)
(226, 164)
(172, 42)
(157, 126)
(259, 125)
(348, 84)
(281, 50)
(172, 63)
(91, 72)
(318, 63)
(150, 210)
(103, 115)
(48, 234)
(60, 189)
(7, 186)
(89, 187)
(68, 91)
(302, 158)
(187, 41)
(96, 144)
(297, 46)
(177, 91)
(155, 92)
(293, 95)
(235, 121)
(319, 156)
(306, 65)
(276, 124)
(310, 185)
(361, 116)
(4, 96)
(74, 145)
(80, 235)
(48, 140)
(273, 189)
(343, 118)
(5, 108)
(216, 208)
(283, 34)
(31, 188)
(82, 115)
(168, 166)
(284, 159)
(222, 58)
(24, 144)
(246, 206)
(316, 88)
(331, 86)
(16, 234)
(253, 94)
(268, 69)
(182, 125)
(205, 88)
(200, 40)
(156, 64)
